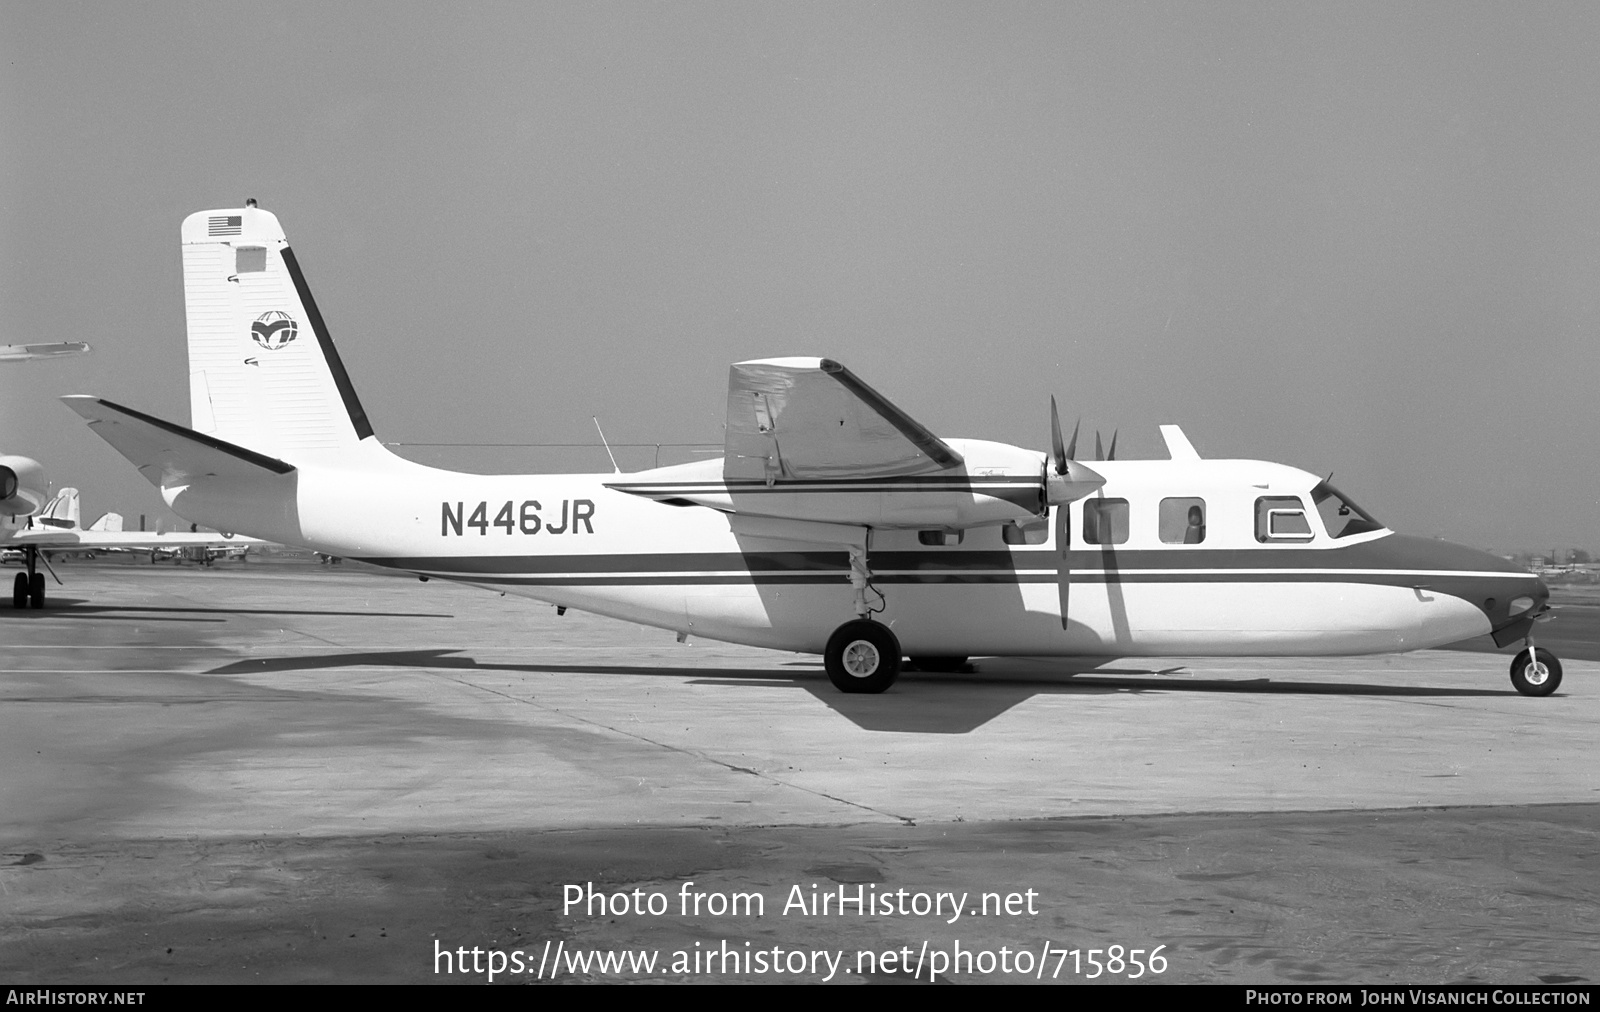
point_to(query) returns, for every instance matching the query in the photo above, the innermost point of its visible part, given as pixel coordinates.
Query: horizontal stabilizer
(170, 455)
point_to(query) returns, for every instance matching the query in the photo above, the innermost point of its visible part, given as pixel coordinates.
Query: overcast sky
(1362, 238)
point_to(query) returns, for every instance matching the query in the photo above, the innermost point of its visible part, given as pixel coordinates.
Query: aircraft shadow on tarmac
(920, 702)
(73, 607)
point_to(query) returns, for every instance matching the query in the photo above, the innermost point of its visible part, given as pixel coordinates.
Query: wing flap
(809, 418)
(168, 454)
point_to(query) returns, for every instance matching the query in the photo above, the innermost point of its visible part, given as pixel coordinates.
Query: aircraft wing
(24, 352)
(811, 418)
(809, 442)
(55, 539)
(169, 454)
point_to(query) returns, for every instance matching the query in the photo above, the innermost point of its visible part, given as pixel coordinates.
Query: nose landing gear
(1535, 671)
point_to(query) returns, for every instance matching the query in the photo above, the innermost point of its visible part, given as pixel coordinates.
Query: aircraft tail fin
(263, 371)
(62, 511)
(110, 523)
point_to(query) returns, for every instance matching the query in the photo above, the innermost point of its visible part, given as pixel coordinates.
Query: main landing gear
(1535, 671)
(862, 656)
(28, 588)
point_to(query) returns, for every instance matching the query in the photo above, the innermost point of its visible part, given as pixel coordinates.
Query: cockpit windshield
(1341, 516)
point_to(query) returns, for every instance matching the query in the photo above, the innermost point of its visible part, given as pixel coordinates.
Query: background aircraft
(29, 352)
(833, 524)
(34, 523)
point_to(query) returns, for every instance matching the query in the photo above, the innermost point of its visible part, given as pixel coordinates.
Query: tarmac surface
(298, 773)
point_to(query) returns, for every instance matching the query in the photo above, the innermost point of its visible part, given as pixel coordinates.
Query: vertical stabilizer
(263, 372)
(62, 511)
(110, 523)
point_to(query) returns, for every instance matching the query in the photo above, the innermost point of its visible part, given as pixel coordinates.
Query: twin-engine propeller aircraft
(833, 524)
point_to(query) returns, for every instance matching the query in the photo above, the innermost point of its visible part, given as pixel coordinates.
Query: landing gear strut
(862, 656)
(1535, 671)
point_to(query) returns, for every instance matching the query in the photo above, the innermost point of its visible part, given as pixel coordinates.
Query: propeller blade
(1111, 454)
(1067, 480)
(1099, 452)
(1058, 452)
(1063, 568)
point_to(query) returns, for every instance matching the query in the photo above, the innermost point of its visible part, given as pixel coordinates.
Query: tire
(19, 591)
(938, 663)
(36, 590)
(862, 656)
(1540, 678)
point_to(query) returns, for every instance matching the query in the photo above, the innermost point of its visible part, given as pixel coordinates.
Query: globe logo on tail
(273, 330)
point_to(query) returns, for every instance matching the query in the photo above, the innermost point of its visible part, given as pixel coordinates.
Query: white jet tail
(62, 511)
(109, 523)
(263, 372)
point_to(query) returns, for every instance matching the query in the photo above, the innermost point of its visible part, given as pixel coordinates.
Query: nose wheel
(862, 656)
(1535, 671)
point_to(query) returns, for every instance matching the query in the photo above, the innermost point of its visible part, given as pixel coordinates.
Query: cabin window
(1282, 518)
(1035, 532)
(249, 259)
(1183, 521)
(1340, 515)
(1105, 521)
(933, 538)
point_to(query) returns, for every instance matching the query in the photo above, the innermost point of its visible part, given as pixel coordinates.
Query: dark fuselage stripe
(943, 562)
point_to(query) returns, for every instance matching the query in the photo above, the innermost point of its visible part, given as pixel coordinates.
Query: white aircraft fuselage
(571, 540)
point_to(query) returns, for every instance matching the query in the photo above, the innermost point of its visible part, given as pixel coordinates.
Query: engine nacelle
(23, 486)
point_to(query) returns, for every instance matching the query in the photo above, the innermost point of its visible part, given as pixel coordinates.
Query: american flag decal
(226, 225)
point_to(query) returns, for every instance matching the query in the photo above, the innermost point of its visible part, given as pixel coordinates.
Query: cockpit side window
(1341, 516)
(1183, 520)
(1281, 518)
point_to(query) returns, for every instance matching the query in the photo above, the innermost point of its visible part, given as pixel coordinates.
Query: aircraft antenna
(597, 428)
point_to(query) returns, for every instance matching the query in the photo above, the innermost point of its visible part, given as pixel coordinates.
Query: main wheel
(36, 590)
(19, 591)
(1538, 677)
(938, 663)
(862, 656)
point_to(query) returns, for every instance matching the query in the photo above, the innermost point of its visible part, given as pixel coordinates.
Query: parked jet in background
(833, 524)
(34, 523)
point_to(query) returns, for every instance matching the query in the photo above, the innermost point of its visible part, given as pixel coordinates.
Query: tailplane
(263, 372)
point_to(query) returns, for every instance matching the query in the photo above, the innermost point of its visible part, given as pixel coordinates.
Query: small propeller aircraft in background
(834, 523)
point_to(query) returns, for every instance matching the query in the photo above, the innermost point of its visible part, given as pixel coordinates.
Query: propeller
(1066, 481)
(1103, 454)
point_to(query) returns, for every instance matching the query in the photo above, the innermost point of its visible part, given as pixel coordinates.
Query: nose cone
(1508, 596)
